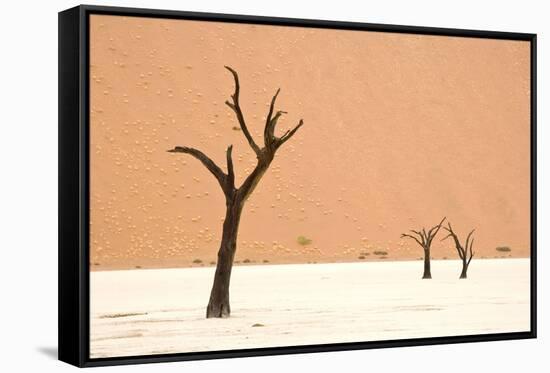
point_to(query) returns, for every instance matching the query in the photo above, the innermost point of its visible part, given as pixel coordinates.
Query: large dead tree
(424, 239)
(235, 197)
(464, 252)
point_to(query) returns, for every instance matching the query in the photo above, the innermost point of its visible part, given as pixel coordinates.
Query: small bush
(257, 325)
(235, 128)
(265, 261)
(361, 257)
(504, 249)
(246, 261)
(303, 240)
(380, 252)
(212, 263)
(197, 261)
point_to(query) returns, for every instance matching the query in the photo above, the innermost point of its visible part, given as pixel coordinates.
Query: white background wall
(28, 184)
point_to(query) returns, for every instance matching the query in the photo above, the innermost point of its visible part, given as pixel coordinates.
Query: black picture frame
(74, 307)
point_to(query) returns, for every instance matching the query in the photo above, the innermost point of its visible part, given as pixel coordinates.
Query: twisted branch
(264, 155)
(235, 106)
(230, 172)
(225, 181)
(463, 251)
(425, 237)
(288, 134)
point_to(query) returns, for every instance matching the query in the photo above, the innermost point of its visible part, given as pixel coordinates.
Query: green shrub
(380, 252)
(197, 261)
(303, 240)
(504, 249)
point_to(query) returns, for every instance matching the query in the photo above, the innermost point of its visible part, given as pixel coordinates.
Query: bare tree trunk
(218, 305)
(427, 269)
(463, 274)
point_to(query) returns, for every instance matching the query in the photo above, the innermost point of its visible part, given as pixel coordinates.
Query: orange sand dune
(400, 130)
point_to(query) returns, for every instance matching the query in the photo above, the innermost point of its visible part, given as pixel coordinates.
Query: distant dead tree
(464, 252)
(235, 198)
(424, 239)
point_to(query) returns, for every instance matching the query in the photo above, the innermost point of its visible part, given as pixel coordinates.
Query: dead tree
(235, 197)
(464, 252)
(424, 239)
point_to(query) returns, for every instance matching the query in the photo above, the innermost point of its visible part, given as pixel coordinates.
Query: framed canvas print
(237, 186)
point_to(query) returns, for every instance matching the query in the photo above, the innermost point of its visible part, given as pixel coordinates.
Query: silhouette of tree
(464, 252)
(235, 197)
(424, 239)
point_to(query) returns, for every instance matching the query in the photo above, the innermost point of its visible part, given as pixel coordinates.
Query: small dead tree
(235, 197)
(464, 252)
(424, 239)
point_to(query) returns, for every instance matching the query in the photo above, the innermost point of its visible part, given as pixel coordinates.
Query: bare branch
(238, 112)
(230, 171)
(419, 235)
(471, 252)
(425, 238)
(206, 161)
(252, 180)
(272, 106)
(273, 123)
(458, 246)
(269, 128)
(436, 227)
(433, 232)
(403, 235)
(468, 239)
(289, 134)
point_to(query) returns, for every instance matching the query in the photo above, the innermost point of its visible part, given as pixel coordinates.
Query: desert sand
(400, 130)
(157, 311)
